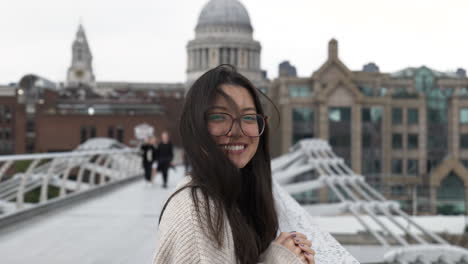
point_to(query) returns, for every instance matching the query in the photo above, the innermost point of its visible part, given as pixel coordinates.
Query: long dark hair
(243, 196)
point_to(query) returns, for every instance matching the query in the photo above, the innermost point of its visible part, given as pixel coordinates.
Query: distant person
(165, 156)
(148, 153)
(224, 211)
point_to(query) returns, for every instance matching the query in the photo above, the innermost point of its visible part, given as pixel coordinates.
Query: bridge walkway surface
(117, 227)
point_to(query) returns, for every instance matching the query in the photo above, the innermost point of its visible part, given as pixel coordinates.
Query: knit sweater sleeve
(182, 239)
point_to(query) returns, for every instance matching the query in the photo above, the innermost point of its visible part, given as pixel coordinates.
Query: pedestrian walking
(165, 156)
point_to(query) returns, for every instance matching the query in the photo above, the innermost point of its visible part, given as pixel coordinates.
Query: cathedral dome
(231, 13)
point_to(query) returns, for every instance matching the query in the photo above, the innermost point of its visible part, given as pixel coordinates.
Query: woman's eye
(216, 117)
(251, 118)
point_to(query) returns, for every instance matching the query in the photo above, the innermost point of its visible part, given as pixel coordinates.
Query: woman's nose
(235, 130)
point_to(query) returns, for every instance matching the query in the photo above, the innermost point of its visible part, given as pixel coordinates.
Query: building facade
(44, 117)
(406, 132)
(224, 35)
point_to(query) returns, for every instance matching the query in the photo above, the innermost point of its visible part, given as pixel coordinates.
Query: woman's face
(236, 145)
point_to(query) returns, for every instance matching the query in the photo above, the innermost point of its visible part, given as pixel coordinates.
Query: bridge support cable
(24, 177)
(5, 166)
(383, 208)
(65, 175)
(367, 205)
(364, 206)
(435, 237)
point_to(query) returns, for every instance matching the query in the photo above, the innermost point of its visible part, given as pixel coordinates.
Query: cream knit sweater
(182, 239)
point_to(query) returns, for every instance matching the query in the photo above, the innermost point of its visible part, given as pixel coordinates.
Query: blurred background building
(406, 132)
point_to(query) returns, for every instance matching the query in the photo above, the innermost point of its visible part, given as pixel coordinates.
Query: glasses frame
(264, 118)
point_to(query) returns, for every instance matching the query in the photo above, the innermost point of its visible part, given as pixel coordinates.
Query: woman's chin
(238, 163)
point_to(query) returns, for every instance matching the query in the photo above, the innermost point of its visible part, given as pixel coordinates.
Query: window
(303, 123)
(372, 114)
(397, 190)
(302, 114)
(464, 116)
(412, 141)
(367, 90)
(397, 141)
(383, 91)
(464, 141)
(83, 134)
(110, 132)
(338, 114)
(299, 90)
(397, 166)
(371, 167)
(30, 125)
(7, 133)
(465, 163)
(413, 117)
(366, 140)
(120, 134)
(92, 132)
(396, 116)
(412, 167)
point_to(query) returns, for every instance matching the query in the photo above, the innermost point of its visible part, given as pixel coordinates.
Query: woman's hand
(298, 244)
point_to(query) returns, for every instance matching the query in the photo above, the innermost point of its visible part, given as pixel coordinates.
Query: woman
(165, 156)
(224, 211)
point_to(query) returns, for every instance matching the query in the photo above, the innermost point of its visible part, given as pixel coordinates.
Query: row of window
(5, 133)
(373, 167)
(5, 114)
(369, 114)
(412, 166)
(412, 141)
(412, 116)
(87, 132)
(298, 90)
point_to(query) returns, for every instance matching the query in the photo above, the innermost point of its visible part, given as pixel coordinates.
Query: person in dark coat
(149, 156)
(165, 156)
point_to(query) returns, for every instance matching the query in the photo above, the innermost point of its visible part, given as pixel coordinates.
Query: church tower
(81, 70)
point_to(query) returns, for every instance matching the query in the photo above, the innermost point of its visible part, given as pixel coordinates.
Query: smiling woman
(224, 211)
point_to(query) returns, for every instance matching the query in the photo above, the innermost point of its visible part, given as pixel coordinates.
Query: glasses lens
(218, 124)
(252, 125)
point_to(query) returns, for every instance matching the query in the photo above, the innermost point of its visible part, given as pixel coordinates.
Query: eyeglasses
(220, 124)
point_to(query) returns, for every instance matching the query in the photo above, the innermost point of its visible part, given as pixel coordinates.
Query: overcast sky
(144, 40)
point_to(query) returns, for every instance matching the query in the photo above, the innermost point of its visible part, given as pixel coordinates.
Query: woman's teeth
(234, 147)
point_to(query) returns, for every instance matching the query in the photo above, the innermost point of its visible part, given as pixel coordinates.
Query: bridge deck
(118, 227)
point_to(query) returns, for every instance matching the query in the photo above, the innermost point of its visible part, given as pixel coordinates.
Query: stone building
(224, 35)
(406, 132)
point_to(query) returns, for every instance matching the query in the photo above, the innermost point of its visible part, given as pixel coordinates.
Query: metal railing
(70, 172)
(380, 217)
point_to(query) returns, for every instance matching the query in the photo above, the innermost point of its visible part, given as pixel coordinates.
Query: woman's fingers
(310, 258)
(306, 249)
(298, 241)
(298, 235)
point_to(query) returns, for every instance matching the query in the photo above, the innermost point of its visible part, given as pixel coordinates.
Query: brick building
(40, 116)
